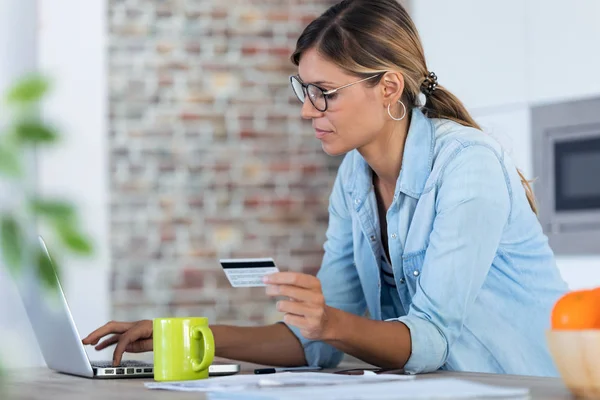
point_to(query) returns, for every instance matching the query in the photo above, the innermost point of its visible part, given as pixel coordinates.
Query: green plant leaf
(2, 381)
(56, 209)
(27, 90)
(46, 271)
(11, 240)
(9, 162)
(35, 132)
(74, 240)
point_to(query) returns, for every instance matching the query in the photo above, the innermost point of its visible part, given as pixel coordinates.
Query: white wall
(72, 49)
(66, 39)
(563, 57)
(502, 56)
(17, 56)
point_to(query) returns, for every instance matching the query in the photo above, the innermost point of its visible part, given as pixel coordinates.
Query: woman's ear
(392, 87)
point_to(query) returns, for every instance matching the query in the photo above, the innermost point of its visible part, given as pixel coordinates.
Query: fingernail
(265, 279)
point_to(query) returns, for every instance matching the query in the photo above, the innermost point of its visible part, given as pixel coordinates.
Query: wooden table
(42, 383)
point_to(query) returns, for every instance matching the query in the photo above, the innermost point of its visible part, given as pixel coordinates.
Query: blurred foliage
(23, 133)
(3, 394)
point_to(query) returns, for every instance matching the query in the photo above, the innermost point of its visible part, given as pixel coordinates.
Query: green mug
(184, 348)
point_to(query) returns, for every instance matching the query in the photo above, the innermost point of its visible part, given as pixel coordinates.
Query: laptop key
(125, 363)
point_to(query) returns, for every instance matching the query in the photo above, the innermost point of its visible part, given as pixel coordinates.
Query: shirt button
(373, 238)
(416, 273)
(402, 280)
(395, 196)
(394, 236)
(357, 201)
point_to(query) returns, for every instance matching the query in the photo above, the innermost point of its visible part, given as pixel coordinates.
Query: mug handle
(204, 334)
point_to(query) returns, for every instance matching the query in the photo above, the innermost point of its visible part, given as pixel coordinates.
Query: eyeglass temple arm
(332, 91)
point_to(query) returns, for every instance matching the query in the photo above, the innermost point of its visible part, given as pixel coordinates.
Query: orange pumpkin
(577, 310)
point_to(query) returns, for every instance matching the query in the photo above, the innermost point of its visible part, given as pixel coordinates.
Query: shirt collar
(417, 161)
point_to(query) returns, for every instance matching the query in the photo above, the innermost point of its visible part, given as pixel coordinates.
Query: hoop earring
(403, 113)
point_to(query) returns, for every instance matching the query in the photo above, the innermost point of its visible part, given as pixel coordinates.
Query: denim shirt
(476, 279)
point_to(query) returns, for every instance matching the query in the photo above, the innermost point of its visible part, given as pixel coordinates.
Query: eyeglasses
(316, 95)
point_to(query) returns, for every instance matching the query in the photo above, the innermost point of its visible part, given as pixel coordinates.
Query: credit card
(248, 272)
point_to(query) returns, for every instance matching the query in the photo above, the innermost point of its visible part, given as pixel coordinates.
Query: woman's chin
(333, 150)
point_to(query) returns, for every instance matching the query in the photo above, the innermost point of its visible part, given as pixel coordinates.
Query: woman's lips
(320, 134)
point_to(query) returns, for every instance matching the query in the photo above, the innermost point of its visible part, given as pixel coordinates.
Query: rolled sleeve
(428, 345)
(472, 208)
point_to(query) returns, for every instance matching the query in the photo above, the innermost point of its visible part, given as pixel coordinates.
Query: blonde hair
(364, 37)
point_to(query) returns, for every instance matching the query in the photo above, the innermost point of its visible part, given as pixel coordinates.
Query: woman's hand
(132, 337)
(305, 307)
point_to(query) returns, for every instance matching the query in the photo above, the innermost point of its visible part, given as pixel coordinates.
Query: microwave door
(577, 175)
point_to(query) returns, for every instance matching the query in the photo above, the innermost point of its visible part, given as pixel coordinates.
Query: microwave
(566, 161)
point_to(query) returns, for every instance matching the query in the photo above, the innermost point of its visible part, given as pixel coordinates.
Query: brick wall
(209, 156)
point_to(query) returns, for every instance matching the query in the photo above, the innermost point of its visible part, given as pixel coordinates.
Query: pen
(285, 369)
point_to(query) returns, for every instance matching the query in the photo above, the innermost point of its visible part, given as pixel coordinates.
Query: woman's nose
(309, 111)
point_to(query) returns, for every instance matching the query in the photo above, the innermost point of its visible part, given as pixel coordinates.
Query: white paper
(434, 388)
(236, 383)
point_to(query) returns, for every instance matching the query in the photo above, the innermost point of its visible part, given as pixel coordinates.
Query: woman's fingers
(298, 308)
(107, 329)
(141, 330)
(108, 342)
(294, 320)
(312, 321)
(140, 346)
(293, 279)
(296, 293)
(305, 306)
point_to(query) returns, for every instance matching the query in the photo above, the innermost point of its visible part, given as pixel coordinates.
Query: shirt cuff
(429, 348)
(317, 353)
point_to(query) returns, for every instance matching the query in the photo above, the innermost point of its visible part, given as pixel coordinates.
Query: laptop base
(138, 369)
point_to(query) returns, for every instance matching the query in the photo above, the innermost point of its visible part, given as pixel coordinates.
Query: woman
(434, 256)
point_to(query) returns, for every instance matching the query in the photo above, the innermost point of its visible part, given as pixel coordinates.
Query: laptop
(59, 340)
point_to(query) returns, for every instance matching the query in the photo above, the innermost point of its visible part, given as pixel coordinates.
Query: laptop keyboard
(124, 363)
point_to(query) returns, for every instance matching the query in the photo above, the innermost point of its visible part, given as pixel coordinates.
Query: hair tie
(429, 84)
